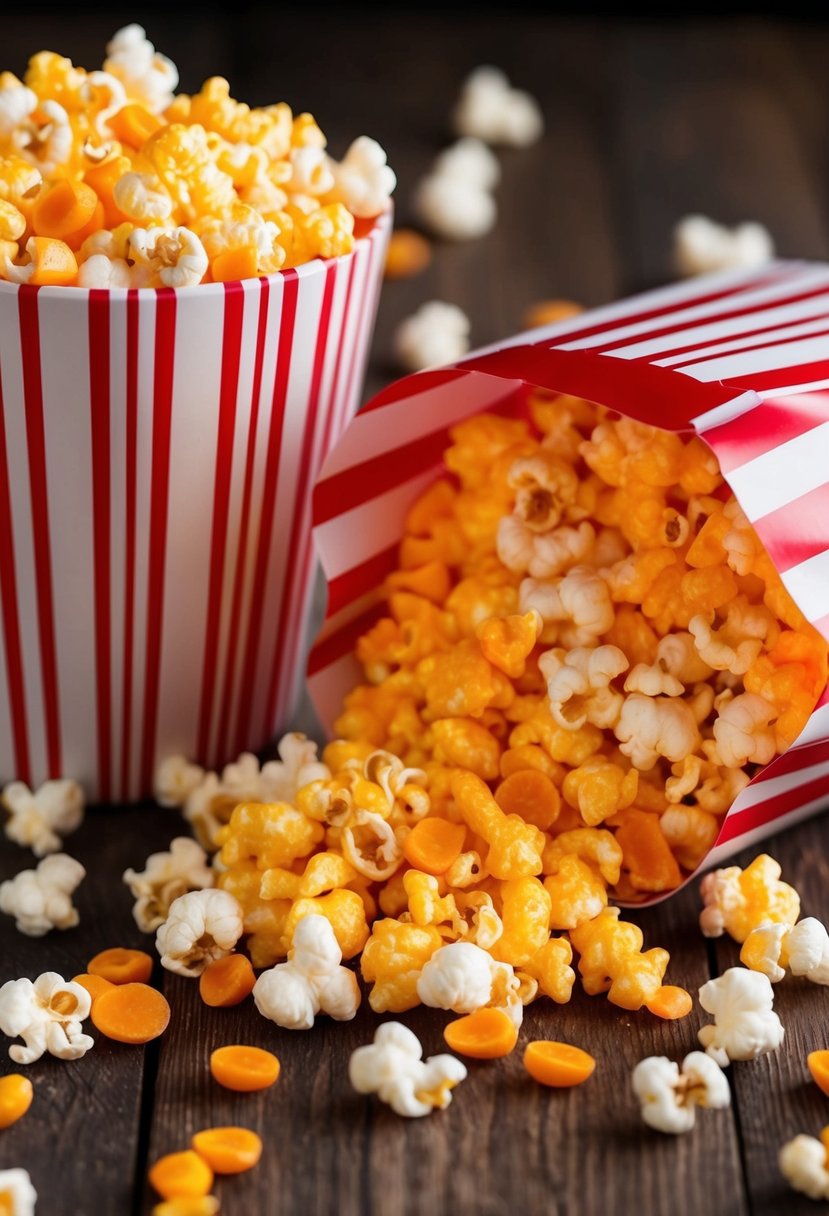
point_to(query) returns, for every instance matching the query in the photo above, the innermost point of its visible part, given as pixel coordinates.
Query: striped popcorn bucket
(157, 453)
(742, 359)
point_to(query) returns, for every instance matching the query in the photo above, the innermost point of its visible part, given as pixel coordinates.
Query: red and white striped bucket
(157, 453)
(740, 358)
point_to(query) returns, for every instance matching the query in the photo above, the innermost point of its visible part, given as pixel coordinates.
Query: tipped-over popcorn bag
(157, 453)
(741, 361)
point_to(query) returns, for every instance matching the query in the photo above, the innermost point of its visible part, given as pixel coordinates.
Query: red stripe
(305, 479)
(131, 445)
(420, 382)
(290, 287)
(726, 351)
(36, 441)
(222, 735)
(768, 425)
(359, 580)
(99, 371)
(165, 343)
(11, 621)
(772, 378)
(343, 642)
(234, 301)
(794, 760)
(797, 531)
(765, 813)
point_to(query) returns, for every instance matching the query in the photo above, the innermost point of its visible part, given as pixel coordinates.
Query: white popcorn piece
(363, 179)
(742, 732)
(17, 1195)
(39, 820)
(650, 727)
(678, 655)
(175, 256)
(580, 600)
(463, 977)
(47, 1015)
(311, 171)
(803, 949)
(454, 209)
(745, 1025)
(312, 981)
(393, 1068)
(298, 765)
(17, 103)
(201, 927)
(802, 1163)
(701, 246)
(47, 144)
(491, 110)
(175, 781)
(669, 1093)
(653, 681)
(101, 271)
(41, 899)
(578, 685)
(107, 91)
(471, 161)
(164, 878)
(437, 333)
(146, 75)
(140, 196)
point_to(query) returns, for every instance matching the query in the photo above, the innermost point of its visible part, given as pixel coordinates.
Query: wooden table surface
(646, 122)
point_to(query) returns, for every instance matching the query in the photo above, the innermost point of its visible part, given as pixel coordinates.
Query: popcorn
(164, 878)
(803, 948)
(201, 926)
(453, 208)
(175, 780)
(17, 1195)
(41, 899)
(745, 1025)
(173, 256)
(363, 180)
(491, 110)
(471, 161)
(393, 1068)
(17, 103)
(463, 977)
(742, 731)
(669, 1093)
(47, 1015)
(515, 847)
(650, 727)
(393, 959)
(702, 246)
(311, 982)
(737, 901)
(437, 333)
(39, 820)
(578, 685)
(612, 961)
(581, 597)
(146, 75)
(139, 196)
(803, 1164)
(99, 271)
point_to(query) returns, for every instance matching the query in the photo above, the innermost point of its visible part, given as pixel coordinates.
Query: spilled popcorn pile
(110, 179)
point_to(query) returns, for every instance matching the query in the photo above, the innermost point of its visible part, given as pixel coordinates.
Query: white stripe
(759, 792)
(722, 852)
(353, 537)
(808, 584)
(782, 474)
(816, 729)
(22, 528)
(64, 339)
(762, 359)
(789, 390)
(726, 412)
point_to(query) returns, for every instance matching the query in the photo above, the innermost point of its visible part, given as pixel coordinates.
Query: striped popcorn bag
(157, 454)
(742, 359)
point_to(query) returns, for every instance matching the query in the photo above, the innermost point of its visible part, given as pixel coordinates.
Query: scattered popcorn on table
(311, 982)
(463, 977)
(47, 1015)
(197, 188)
(38, 820)
(669, 1093)
(491, 110)
(453, 208)
(393, 1068)
(469, 160)
(164, 878)
(41, 899)
(17, 1195)
(803, 1164)
(737, 901)
(803, 949)
(437, 333)
(702, 246)
(745, 1025)
(201, 926)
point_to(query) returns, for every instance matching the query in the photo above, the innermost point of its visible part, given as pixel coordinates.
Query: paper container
(742, 359)
(157, 451)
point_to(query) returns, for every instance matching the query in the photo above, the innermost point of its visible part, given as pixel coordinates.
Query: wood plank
(81, 1138)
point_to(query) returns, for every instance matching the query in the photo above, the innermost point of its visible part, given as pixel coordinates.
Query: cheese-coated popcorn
(745, 1025)
(164, 878)
(802, 1162)
(612, 960)
(669, 1093)
(312, 981)
(41, 899)
(48, 1016)
(344, 909)
(598, 789)
(392, 961)
(526, 908)
(550, 968)
(737, 901)
(17, 1194)
(803, 949)
(393, 1068)
(492, 110)
(38, 820)
(275, 834)
(577, 893)
(515, 847)
(201, 926)
(437, 333)
(691, 833)
(593, 845)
